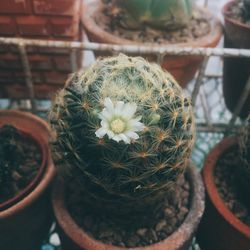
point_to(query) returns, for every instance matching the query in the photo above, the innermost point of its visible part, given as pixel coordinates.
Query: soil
(22, 173)
(227, 182)
(236, 11)
(175, 209)
(198, 27)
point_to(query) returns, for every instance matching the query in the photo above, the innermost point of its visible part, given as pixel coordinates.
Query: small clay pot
(236, 70)
(74, 238)
(183, 68)
(25, 224)
(220, 229)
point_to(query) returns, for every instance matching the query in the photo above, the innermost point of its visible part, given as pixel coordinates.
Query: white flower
(118, 123)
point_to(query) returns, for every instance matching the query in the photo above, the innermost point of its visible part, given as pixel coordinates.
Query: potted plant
(26, 172)
(124, 134)
(45, 20)
(173, 23)
(226, 174)
(236, 70)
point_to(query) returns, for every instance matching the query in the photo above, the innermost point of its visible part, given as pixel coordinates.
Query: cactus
(163, 14)
(244, 145)
(246, 9)
(8, 148)
(124, 132)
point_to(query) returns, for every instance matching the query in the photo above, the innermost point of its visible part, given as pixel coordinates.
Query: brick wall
(37, 19)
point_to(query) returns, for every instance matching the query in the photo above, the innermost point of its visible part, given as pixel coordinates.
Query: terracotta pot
(74, 238)
(236, 70)
(219, 228)
(183, 68)
(25, 224)
(38, 19)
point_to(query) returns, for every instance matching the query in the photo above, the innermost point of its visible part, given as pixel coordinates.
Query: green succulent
(169, 14)
(124, 134)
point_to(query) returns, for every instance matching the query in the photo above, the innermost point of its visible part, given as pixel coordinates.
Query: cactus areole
(125, 132)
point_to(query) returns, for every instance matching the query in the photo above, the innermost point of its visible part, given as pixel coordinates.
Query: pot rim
(49, 170)
(91, 27)
(211, 189)
(179, 238)
(43, 150)
(228, 19)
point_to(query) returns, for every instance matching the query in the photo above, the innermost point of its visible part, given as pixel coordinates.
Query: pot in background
(236, 70)
(220, 229)
(25, 224)
(183, 68)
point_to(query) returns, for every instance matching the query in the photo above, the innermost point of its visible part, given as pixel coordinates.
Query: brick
(10, 61)
(40, 62)
(33, 26)
(55, 77)
(15, 7)
(56, 7)
(7, 26)
(37, 77)
(18, 91)
(62, 62)
(6, 77)
(64, 27)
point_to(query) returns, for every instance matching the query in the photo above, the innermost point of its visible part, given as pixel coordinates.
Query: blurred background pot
(236, 70)
(220, 229)
(182, 68)
(25, 224)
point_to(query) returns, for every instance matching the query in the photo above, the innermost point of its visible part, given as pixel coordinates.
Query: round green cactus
(169, 14)
(124, 132)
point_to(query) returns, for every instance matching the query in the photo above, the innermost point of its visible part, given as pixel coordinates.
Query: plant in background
(10, 157)
(167, 14)
(124, 132)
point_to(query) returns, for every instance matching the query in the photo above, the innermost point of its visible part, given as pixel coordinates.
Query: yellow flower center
(117, 126)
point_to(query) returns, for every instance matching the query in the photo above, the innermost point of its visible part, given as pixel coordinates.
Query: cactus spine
(133, 171)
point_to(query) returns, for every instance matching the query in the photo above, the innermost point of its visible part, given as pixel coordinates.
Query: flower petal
(104, 124)
(119, 108)
(117, 138)
(109, 105)
(135, 125)
(129, 110)
(132, 134)
(101, 132)
(105, 114)
(125, 138)
(110, 134)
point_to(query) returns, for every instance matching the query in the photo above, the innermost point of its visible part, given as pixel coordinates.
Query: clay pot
(236, 70)
(74, 238)
(183, 68)
(219, 228)
(25, 224)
